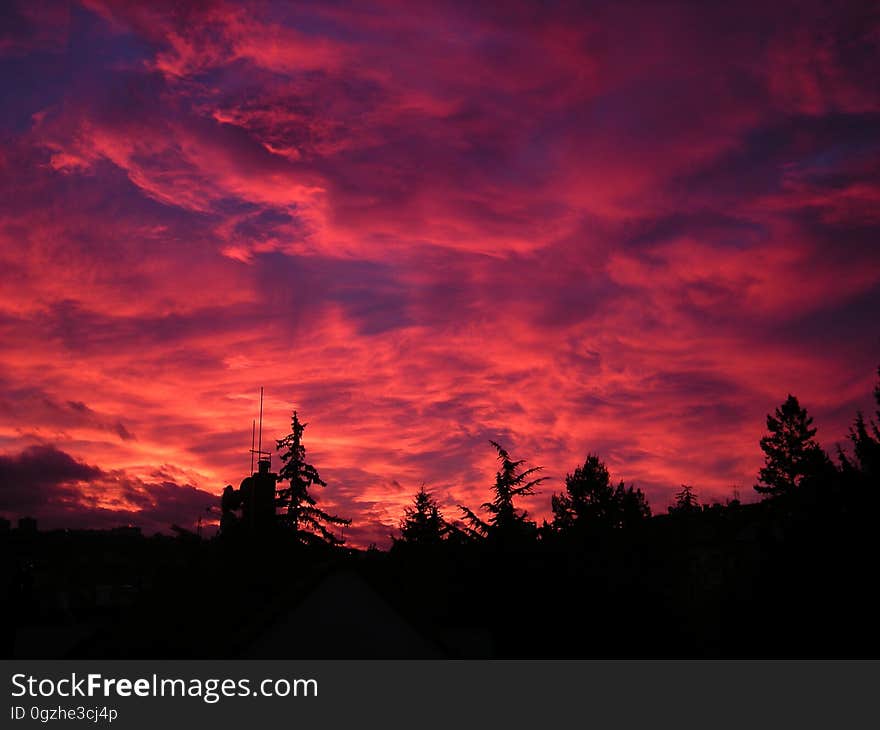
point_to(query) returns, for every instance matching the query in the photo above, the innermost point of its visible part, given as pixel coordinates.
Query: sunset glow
(622, 228)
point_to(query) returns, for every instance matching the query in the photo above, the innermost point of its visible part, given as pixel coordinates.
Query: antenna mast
(258, 435)
(260, 443)
(253, 442)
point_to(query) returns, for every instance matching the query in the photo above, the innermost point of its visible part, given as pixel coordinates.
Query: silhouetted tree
(588, 498)
(299, 511)
(685, 502)
(632, 506)
(504, 518)
(865, 438)
(590, 501)
(790, 453)
(422, 524)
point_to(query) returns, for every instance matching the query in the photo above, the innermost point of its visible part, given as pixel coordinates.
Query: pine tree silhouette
(299, 511)
(865, 438)
(590, 501)
(422, 524)
(790, 453)
(685, 502)
(632, 506)
(504, 518)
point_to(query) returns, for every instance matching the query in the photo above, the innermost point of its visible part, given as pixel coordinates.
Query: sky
(622, 228)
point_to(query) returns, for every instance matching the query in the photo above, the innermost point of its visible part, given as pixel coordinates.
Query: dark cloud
(41, 475)
(61, 491)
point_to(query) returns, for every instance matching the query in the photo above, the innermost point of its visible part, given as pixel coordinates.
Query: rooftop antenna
(253, 442)
(260, 442)
(259, 450)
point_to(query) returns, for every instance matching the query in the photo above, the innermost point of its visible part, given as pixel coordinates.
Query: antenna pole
(260, 446)
(253, 442)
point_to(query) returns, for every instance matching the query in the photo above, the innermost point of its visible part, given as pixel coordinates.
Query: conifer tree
(308, 522)
(865, 438)
(685, 501)
(504, 518)
(590, 501)
(423, 523)
(791, 455)
(632, 506)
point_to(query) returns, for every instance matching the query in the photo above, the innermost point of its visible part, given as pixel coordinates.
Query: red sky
(624, 228)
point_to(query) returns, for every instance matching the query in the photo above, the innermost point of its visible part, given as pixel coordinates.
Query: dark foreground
(783, 578)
